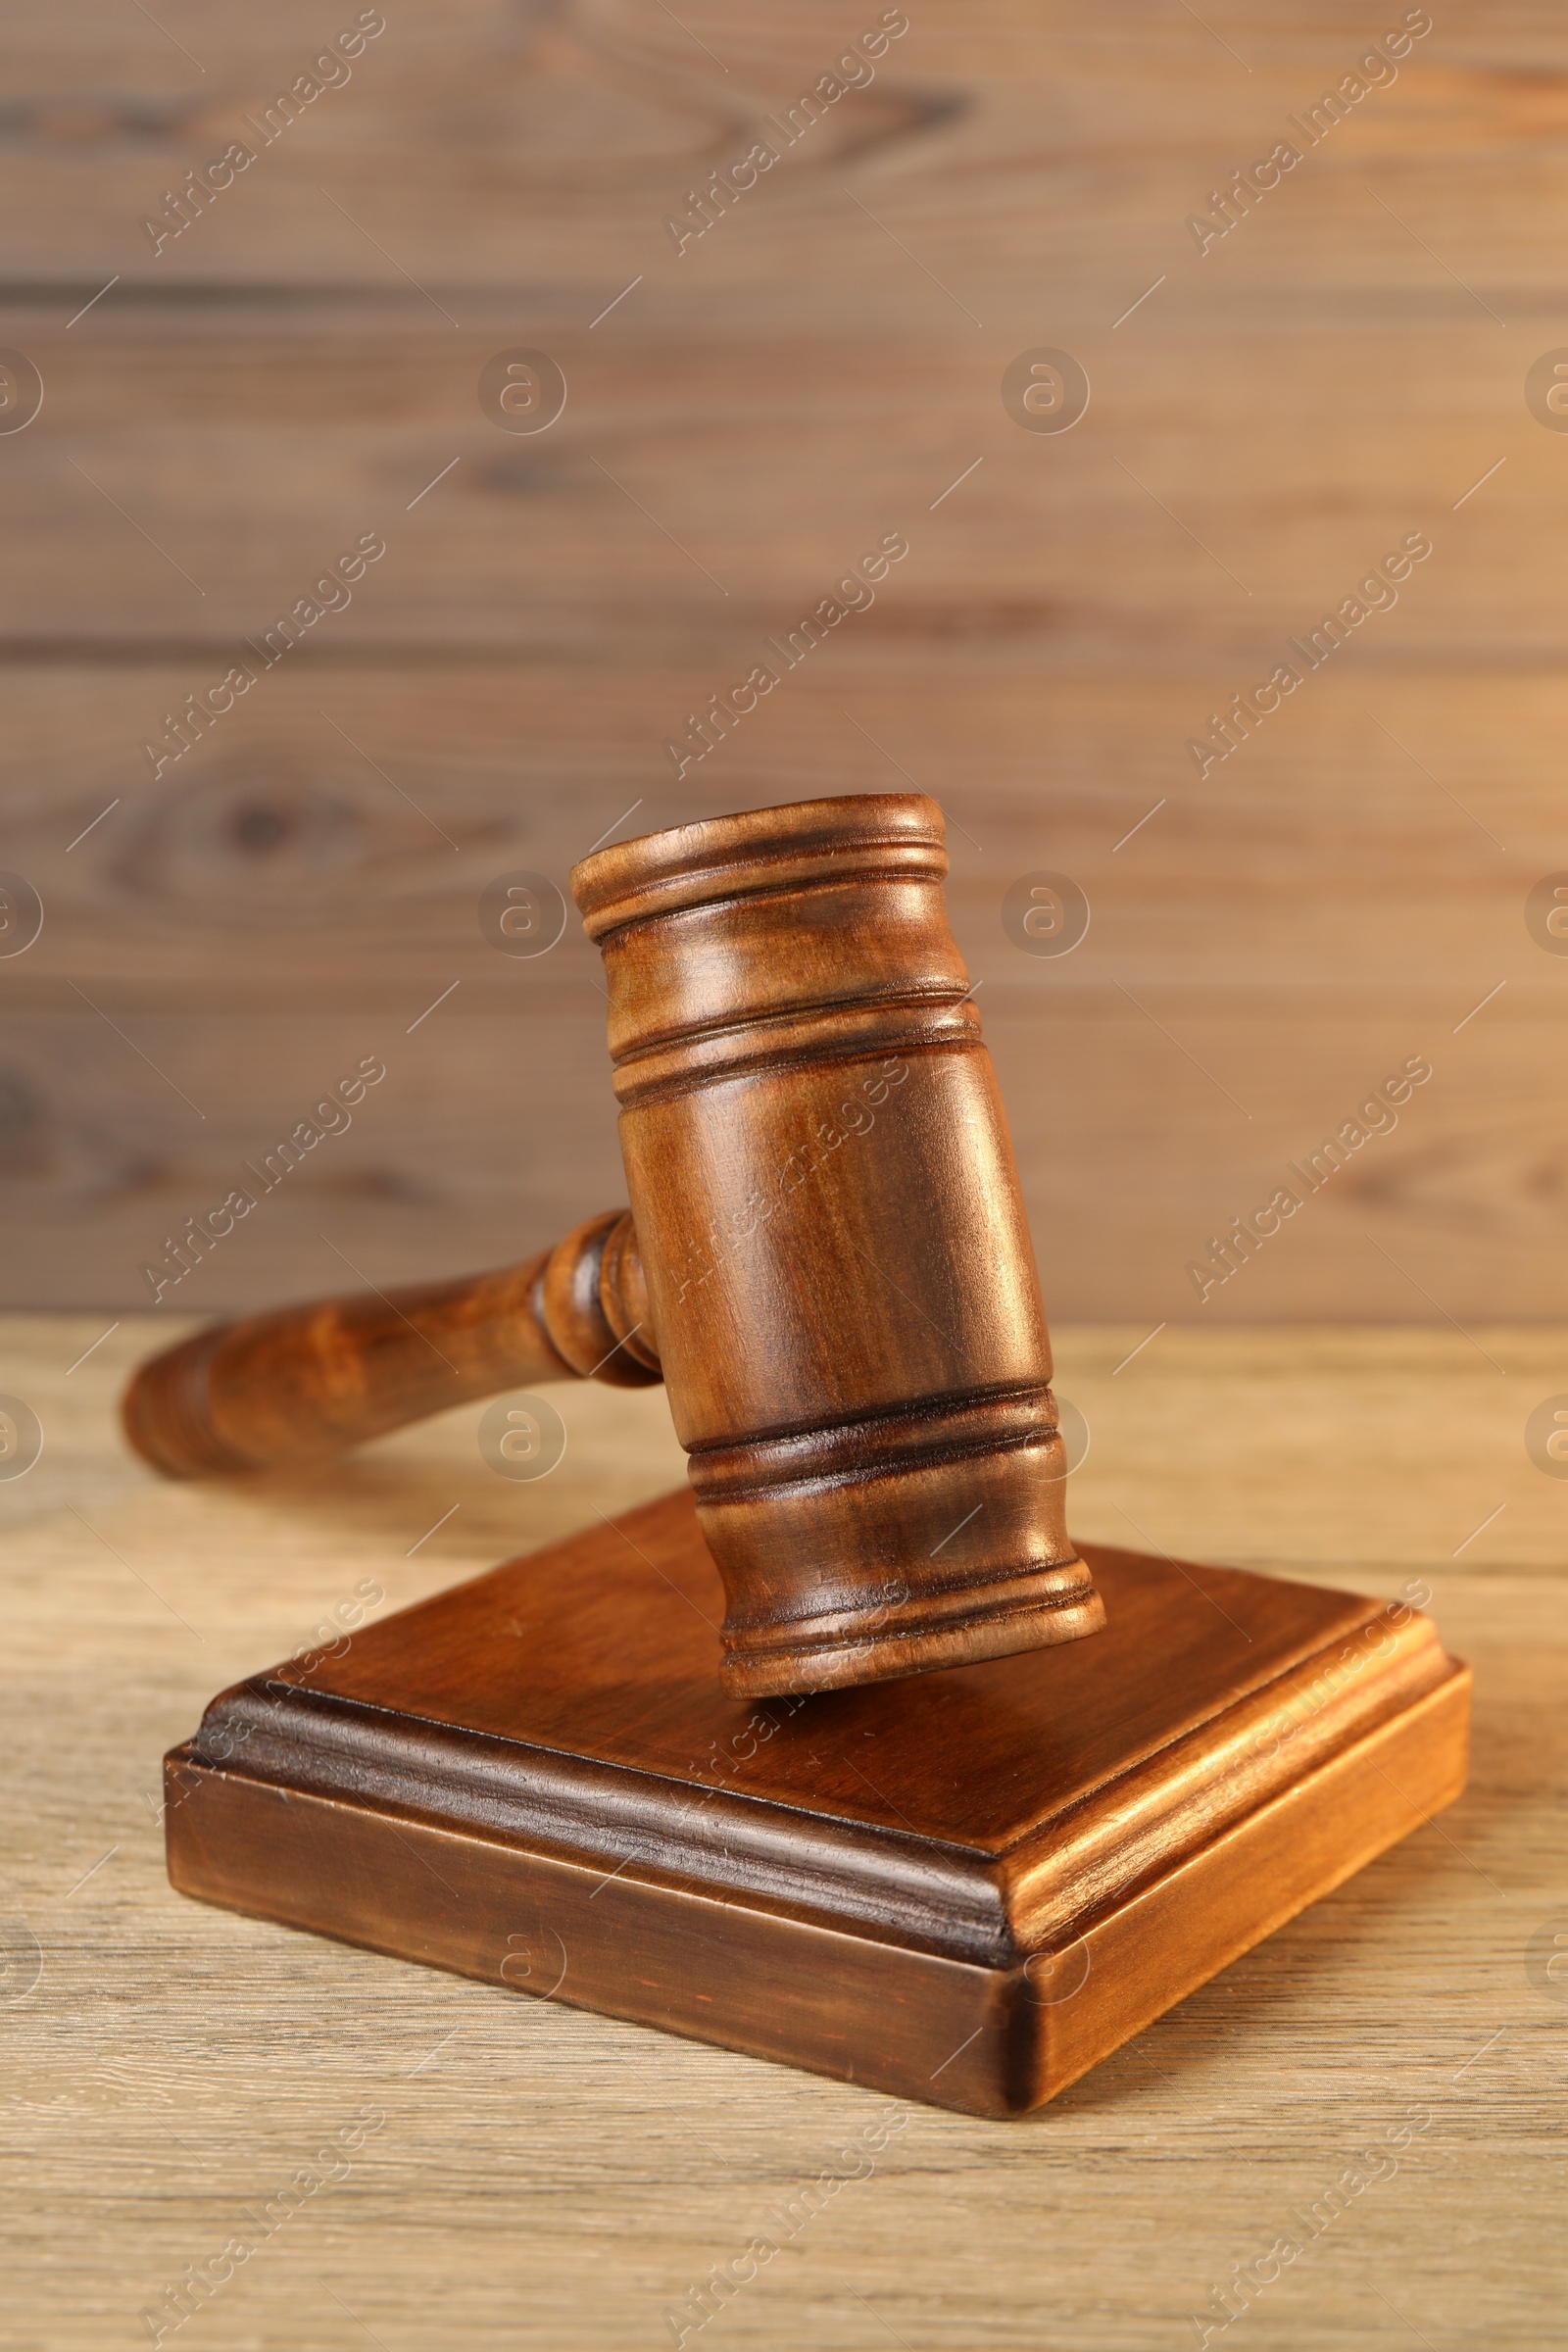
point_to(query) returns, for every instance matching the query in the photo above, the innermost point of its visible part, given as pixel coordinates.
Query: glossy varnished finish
(308, 1381)
(838, 1265)
(830, 1266)
(966, 1888)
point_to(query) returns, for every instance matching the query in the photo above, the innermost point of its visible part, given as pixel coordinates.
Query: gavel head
(839, 1271)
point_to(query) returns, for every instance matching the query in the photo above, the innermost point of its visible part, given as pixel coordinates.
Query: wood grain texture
(778, 981)
(548, 2177)
(804, 1096)
(311, 1380)
(1036, 1856)
(1300, 935)
(1344, 367)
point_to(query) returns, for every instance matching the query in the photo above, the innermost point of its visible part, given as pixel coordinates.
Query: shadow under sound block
(966, 1888)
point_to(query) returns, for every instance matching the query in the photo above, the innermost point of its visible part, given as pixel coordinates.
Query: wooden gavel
(830, 1269)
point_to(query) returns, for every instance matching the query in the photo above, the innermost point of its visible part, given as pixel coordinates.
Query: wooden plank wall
(299, 368)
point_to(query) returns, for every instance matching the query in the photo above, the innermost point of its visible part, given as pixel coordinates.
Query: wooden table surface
(545, 2178)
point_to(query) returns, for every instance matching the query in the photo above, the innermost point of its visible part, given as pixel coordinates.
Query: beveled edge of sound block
(983, 1973)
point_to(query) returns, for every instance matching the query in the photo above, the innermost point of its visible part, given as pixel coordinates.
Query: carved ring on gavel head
(838, 1266)
(830, 1263)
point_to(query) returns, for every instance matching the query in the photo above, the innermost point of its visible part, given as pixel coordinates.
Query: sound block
(966, 1888)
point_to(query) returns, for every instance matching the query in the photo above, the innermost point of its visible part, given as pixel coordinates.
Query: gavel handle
(311, 1380)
